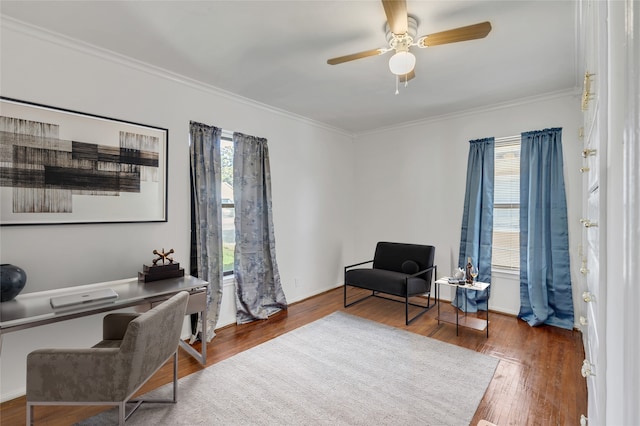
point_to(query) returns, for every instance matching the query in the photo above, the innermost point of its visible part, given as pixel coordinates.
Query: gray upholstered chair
(133, 348)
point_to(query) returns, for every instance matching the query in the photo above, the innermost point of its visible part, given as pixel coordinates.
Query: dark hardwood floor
(537, 381)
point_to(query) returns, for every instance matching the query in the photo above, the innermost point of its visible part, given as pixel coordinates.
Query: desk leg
(203, 348)
(202, 356)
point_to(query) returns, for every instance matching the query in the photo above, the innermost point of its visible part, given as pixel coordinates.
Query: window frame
(226, 136)
(503, 142)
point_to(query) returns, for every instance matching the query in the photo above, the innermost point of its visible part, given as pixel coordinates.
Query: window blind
(506, 212)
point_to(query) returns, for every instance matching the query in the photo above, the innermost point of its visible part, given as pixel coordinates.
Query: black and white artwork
(59, 166)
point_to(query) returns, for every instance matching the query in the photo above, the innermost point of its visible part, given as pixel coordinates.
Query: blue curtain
(258, 288)
(204, 150)
(545, 280)
(477, 222)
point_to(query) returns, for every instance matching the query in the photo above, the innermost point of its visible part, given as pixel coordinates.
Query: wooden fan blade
(407, 77)
(470, 32)
(396, 11)
(354, 56)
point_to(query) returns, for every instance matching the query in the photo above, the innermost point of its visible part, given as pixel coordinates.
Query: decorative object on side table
(167, 269)
(474, 273)
(468, 276)
(458, 273)
(13, 280)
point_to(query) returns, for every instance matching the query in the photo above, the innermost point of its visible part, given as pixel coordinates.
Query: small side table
(465, 321)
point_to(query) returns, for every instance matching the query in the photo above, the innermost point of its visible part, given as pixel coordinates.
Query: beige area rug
(338, 370)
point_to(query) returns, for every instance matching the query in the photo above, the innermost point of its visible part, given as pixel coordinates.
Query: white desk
(465, 321)
(34, 309)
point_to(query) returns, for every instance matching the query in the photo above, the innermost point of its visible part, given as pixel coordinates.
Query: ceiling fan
(401, 30)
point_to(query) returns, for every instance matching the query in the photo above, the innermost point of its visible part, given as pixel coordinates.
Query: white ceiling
(275, 52)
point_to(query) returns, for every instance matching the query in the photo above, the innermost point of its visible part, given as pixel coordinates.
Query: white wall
(311, 177)
(410, 181)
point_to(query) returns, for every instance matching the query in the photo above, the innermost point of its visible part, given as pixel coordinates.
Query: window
(228, 208)
(506, 204)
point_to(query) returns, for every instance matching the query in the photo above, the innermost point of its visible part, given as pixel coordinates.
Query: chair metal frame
(407, 303)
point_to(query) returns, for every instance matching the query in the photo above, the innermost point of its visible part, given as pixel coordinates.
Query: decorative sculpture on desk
(168, 269)
(162, 256)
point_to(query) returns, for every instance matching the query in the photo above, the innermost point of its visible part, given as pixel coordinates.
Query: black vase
(13, 279)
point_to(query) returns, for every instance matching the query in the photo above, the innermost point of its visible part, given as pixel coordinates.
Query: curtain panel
(258, 289)
(204, 151)
(477, 222)
(545, 279)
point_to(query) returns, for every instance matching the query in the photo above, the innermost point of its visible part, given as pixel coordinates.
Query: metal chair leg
(29, 414)
(175, 374)
(121, 414)
(406, 309)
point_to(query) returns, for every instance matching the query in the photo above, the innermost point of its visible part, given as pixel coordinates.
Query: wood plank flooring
(537, 381)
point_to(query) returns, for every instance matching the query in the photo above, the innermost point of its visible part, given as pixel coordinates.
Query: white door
(594, 105)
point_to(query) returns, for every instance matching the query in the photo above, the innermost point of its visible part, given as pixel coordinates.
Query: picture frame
(59, 166)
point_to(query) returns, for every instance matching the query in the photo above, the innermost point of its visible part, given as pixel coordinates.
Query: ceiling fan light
(402, 63)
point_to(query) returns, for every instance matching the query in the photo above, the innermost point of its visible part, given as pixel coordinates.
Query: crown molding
(127, 61)
(573, 92)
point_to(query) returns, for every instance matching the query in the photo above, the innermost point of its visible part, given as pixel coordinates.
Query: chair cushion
(384, 281)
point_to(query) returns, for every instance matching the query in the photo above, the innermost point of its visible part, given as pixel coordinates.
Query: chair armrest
(80, 375)
(115, 325)
(357, 264)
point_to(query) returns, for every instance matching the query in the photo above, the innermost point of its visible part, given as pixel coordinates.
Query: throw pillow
(410, 267)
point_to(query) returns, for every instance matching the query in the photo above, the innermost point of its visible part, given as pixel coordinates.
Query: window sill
(228, 280)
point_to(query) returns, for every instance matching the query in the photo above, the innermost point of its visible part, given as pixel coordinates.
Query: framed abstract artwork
(59, 166)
